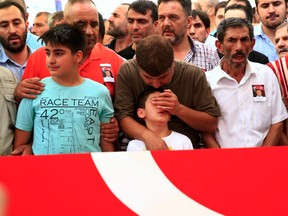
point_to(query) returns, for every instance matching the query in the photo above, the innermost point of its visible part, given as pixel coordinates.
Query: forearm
(134, 129)
(198, 120)
(274, 135)
(106, 146)
(209, 140)
(22, 138)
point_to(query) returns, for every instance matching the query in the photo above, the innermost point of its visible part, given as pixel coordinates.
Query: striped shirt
(280, 69)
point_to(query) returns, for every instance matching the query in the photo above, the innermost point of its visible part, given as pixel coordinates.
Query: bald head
(84, 14)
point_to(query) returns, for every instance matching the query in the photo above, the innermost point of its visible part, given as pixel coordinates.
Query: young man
(271, 13)
(246, 120)
(187, 95)
(66, 117)
(157, 120)
(142, 20)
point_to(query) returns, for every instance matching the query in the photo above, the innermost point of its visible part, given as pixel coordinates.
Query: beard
(14, 47)
(116, 32)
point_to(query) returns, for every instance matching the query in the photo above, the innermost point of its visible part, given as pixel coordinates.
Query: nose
(192, 30)
(238, 45)
(271, 8)
(280, 43)
(166, 21)
(89, 30)
(50, 59)
(156, 84)
(12, 28)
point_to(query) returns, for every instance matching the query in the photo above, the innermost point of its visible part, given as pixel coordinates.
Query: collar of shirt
(221, 74)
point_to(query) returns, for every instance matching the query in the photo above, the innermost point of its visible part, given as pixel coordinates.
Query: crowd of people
(176, 75)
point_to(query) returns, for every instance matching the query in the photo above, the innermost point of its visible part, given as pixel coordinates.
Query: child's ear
(141, 113)
(78, 56)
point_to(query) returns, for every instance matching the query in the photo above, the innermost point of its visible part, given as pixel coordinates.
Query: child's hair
(144, 95)
(66, 35)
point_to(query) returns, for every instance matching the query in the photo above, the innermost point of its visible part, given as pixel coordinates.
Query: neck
(72, 79)
(19, 57)
(160, 129)
(269, 32)
(236, 73)
(122, 43)
(181, 50)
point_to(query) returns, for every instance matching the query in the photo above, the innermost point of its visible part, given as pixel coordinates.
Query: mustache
(238, 53)
(13, 37)
(272, 16)
(168, 29)
(284, 49)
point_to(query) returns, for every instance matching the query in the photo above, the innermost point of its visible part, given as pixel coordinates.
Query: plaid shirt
(202, 55)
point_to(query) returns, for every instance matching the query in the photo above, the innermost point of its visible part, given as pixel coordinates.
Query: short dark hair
(202, 16)
(186, 4)
(233, 23)
(247, 11)
(56, 16)
(7, 4)
(154, 55)
(142, 98)
(143, 7)
(220, 5)
(67, 35)
(101, 26)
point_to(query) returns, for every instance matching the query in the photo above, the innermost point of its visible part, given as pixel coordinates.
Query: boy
(156, 120)
(66, 117)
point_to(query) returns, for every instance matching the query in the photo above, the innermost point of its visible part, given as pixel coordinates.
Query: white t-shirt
(175, 141)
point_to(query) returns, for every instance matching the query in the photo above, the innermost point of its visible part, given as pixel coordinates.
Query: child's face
(60, 60)
(151, 113)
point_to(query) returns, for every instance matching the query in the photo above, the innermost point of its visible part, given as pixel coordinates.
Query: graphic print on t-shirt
(73, 123)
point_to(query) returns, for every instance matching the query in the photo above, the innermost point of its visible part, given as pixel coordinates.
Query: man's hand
(167, 101)
(153, 142)
(23, 150)
(28, 88)
(110, 131)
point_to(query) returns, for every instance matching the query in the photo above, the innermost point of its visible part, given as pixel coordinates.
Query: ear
(78, 56)
(207, 30)
(141, 113)
(252, 44)
(219, 46)
(189, 22)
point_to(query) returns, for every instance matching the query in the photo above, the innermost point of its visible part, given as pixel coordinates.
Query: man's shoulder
(101, 52)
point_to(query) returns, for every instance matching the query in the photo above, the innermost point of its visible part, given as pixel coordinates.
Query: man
(219, 15)
(142, 20)
(271, 13)
(55, 19)
(13, 33)
(281, 40)
(192, 106)
(200, 28)
(31, 40)
(279, 67)
(174, 18)
(241, 11)
(208, 6)
(40, 25)
(246, 120)
(118, 29)
(96, 59)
